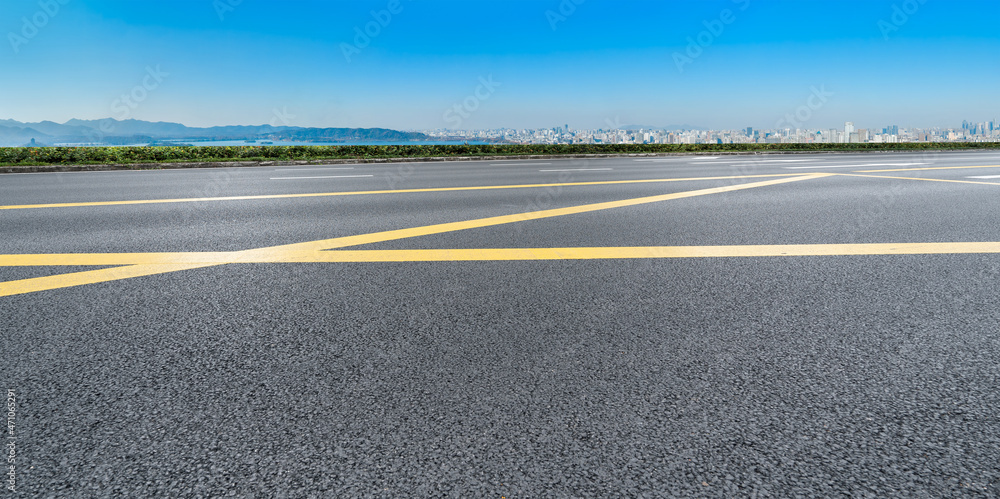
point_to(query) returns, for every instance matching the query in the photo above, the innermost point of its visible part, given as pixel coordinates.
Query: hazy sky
(586, 63)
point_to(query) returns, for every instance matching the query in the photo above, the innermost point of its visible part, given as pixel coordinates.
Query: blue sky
(586, 63)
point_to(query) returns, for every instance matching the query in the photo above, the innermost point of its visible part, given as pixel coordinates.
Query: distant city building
(986, 131)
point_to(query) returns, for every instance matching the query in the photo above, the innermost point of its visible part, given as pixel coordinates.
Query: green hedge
(124, 155)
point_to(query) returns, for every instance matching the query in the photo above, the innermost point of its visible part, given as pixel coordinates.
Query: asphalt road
(746, 326)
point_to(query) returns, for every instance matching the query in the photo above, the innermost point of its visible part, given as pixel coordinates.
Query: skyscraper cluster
(969, 132)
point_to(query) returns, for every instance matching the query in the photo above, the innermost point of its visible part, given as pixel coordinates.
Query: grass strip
(39, 156)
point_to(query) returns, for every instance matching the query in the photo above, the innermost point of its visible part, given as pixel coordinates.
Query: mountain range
(114, 132)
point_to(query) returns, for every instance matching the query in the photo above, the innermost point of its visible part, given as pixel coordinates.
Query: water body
(230, 143)
(224, 143)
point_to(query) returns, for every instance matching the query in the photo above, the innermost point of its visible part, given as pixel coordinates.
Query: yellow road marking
(90, 277)
(930, 168)
(360, 193)
(924, 179)
(596, 253)
(149, 264)
(136, 264)
(506, 254)
(377, 237)
(108, 259)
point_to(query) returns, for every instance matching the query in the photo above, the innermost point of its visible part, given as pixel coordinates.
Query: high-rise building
(749, 131)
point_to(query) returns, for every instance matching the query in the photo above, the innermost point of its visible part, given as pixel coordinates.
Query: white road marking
(329, 176)
(766, 161)
(985, 176)
(310, 169)
(661, 160)
(578, 170)
(852, 166)
(518, 164)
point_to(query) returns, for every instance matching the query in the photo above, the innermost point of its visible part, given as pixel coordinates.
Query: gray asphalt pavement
(871, 375)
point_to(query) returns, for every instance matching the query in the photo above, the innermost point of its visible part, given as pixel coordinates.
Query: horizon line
(616, 127)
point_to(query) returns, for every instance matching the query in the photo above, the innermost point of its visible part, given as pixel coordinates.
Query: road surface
(714, 326)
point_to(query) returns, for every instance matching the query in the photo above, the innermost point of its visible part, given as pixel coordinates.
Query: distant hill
(132, 127)
(16, 137)
(54, 129)
(111, 131)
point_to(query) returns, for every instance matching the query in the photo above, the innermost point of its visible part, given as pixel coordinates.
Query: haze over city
(722, 65)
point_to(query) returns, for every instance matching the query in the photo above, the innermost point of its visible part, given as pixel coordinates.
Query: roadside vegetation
(37, 156)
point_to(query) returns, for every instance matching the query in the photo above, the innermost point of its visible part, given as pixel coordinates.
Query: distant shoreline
(277, 143)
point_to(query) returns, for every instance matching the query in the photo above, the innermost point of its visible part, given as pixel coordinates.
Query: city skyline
(398, 64)
(138, 133)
